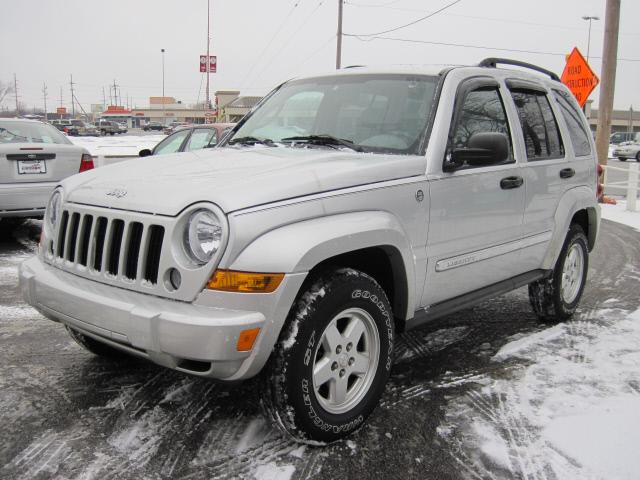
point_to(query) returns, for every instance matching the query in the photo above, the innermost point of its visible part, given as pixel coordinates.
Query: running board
(427, 314)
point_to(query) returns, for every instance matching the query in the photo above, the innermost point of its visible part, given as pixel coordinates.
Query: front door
(476, 211)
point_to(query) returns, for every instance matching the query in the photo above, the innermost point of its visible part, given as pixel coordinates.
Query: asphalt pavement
(68, 414)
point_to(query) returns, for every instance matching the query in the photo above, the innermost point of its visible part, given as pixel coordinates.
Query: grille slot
(133, 250)
(156, 235)
(85, 237)
(62, 233)
(101, 231)
(73, 237)
(115, 246)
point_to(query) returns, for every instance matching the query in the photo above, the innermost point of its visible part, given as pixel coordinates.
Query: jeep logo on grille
(117, 192)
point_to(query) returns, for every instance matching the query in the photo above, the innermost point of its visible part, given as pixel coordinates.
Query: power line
(449, 5)
(296, 3)
(447, 44)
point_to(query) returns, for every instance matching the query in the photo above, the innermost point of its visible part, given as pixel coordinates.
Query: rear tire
(555, 299)
(332, 361)
(638, 157)
(622, 159)
(96, 347)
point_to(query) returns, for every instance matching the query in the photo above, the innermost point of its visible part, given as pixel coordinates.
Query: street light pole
(339, 37)
(590, 18)
(162, 51)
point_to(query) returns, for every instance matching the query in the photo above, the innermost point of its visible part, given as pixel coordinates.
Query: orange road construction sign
(579, 77)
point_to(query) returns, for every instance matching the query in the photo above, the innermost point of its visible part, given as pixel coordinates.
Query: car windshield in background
(366, 113)
(27, 132)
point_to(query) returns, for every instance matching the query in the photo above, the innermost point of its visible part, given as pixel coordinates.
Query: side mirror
(145, 152)
(483, 149)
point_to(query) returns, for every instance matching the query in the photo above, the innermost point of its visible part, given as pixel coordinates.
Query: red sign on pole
(579, 77)
(213, 63)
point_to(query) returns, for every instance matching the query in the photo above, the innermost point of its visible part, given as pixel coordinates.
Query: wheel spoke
(354, 331)
(322, 372)
(361, 364)
(338, 389)
(331, 338)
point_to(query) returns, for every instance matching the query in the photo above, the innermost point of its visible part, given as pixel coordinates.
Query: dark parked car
(193, 137)
(152, 126)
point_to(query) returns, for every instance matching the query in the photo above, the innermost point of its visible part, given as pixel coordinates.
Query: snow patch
(571, 411)
(619, 213)
(317, 290)
(271, 471)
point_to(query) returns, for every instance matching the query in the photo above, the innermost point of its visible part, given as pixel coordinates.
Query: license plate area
(30, 167)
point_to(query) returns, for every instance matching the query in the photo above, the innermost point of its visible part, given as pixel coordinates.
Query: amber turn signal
(246, 339)
(244, 282)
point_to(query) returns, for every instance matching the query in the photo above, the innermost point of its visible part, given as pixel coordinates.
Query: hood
(232, 178)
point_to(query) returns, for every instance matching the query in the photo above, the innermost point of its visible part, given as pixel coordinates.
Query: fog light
(173, 279)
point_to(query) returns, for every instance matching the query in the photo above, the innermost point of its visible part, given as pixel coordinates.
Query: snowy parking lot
(485, 393)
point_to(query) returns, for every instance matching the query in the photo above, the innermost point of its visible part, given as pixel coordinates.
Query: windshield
(375, 113)
(28, 132)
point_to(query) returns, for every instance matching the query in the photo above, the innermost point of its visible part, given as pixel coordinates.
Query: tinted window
(28, 132)
(482, 111)
(575, 125)
(200, 138)
(539, 127)
(172, 143)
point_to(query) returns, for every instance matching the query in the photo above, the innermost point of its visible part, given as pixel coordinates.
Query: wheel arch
(372, 241)
(577, 205)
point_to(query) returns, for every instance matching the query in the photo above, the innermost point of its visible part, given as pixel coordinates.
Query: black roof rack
(492, 62)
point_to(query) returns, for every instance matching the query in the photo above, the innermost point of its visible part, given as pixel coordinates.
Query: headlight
(53, 208)
(202, 235)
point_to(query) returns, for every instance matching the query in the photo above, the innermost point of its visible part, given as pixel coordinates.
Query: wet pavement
(68, 414)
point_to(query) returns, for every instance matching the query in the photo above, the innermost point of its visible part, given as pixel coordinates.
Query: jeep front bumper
(190, 337)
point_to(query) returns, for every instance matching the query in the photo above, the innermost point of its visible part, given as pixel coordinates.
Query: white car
(34, 158)
(626, 151)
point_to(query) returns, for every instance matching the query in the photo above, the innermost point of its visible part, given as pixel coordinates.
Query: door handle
(567, 173)
(508, 183)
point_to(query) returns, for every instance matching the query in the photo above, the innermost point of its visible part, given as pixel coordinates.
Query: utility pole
(608, 76)
(61, 100)
(73, 104)
(104, 100)
(44, 96)
(339, 44)
(630, 128)
(15, 91)
(115, 93)
(163, 114)
(208, 101)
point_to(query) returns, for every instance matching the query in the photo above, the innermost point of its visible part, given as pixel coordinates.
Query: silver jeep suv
(344, 209)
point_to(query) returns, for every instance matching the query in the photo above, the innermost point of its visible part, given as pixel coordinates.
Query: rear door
(547, 172)
(476, 211)
(32, 152)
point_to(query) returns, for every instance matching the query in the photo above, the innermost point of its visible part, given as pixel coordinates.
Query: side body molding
(573, 200)
(298, 247)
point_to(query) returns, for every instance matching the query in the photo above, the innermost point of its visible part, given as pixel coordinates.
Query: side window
(539, 127)
(172, 143)
(482, 111)
(575, 125)
(200, 138)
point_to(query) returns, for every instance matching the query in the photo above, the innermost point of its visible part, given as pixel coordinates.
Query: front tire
(622, 159)
(333, 358)
(556, 298)
(97, 348)
(638, 157)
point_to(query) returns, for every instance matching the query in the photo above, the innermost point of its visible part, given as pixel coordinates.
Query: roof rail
(492, 62)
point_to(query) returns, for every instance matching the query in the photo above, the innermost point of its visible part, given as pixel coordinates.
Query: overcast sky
(261, 43)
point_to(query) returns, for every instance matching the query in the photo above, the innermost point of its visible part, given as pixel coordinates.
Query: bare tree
(5, 89)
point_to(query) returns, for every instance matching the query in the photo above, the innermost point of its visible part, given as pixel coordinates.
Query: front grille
(120, 248)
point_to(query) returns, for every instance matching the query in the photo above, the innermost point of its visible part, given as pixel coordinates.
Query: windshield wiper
(251, 141)
(324, 139)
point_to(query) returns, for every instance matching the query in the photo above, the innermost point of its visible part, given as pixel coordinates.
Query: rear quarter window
(575, 124)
